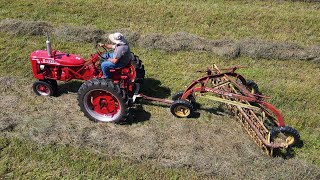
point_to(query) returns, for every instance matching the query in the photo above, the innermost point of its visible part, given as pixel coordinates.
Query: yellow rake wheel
(181, 108)
(286, 136)
(182, 111)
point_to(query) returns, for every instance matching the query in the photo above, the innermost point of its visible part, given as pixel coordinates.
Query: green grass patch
(26, 159)
(277, 21)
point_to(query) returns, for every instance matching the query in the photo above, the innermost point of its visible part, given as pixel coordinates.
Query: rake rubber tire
(251, 86)
(290, 132)
(179, 94)
(49, 87)
(181, 108)
(139, 68)
(110, 90)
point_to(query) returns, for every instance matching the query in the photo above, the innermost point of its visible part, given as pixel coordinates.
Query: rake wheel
(181, 108)
(284, 135)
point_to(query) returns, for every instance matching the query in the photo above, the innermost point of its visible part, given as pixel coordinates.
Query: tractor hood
(59, 58)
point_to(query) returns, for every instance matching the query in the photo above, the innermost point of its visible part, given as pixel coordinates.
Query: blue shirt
(122, 53)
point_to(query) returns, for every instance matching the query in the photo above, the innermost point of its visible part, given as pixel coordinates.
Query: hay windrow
(271, 50)
(78, 34)
(20, 27)
(180, 41)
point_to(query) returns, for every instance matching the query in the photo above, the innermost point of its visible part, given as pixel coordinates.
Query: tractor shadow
(152, 87)
(219, 111)
(137, 115)
(68, 87)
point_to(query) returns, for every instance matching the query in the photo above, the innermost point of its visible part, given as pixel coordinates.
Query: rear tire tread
(139, 68)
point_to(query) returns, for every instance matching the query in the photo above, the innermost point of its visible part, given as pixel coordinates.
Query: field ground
(49, 137)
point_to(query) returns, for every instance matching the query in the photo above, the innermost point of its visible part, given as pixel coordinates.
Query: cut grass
(204, 144)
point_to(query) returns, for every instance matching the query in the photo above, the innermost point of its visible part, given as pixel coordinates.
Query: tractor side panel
(62, 66)
(36, 69)
(43, 66)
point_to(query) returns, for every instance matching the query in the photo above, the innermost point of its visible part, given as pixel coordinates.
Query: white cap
(117, 38)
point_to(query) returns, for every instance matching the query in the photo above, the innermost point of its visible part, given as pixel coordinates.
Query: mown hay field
(48, 137)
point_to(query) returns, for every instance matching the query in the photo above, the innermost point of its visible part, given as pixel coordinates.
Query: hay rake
(263, 122)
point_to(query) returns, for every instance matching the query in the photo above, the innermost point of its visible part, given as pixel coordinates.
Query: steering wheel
(100, 53)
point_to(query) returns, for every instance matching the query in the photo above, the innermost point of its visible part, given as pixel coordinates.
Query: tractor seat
(125, 72)
(121, 70)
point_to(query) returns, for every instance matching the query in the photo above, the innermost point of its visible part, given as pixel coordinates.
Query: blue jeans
(107, 65)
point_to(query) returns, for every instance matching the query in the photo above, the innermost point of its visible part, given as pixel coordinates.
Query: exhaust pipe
(48, 43)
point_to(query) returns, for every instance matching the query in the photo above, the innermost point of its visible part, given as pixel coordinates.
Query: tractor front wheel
(53, 83)
(102, 100)
(43, 88)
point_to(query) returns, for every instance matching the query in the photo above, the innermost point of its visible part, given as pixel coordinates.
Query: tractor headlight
(42, 67)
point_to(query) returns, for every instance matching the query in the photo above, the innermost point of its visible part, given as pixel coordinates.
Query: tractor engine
(60, 66)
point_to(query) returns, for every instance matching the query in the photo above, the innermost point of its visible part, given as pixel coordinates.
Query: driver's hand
(100, 44)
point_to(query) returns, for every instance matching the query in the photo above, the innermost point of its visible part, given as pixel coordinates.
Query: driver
(120, 56)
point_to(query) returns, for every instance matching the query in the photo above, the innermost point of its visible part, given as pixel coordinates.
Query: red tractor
(100, 99)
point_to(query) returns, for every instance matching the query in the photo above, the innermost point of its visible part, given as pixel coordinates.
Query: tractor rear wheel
(284, 135)
(43, 88)
(139, 68)
(102, 100)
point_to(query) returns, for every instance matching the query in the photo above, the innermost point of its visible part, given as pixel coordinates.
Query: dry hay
(213, 145)
(282, 51)
(306, 0)
(231, 49)
(180, 41)
(78, 34)
(20, 27)
(183, 41)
